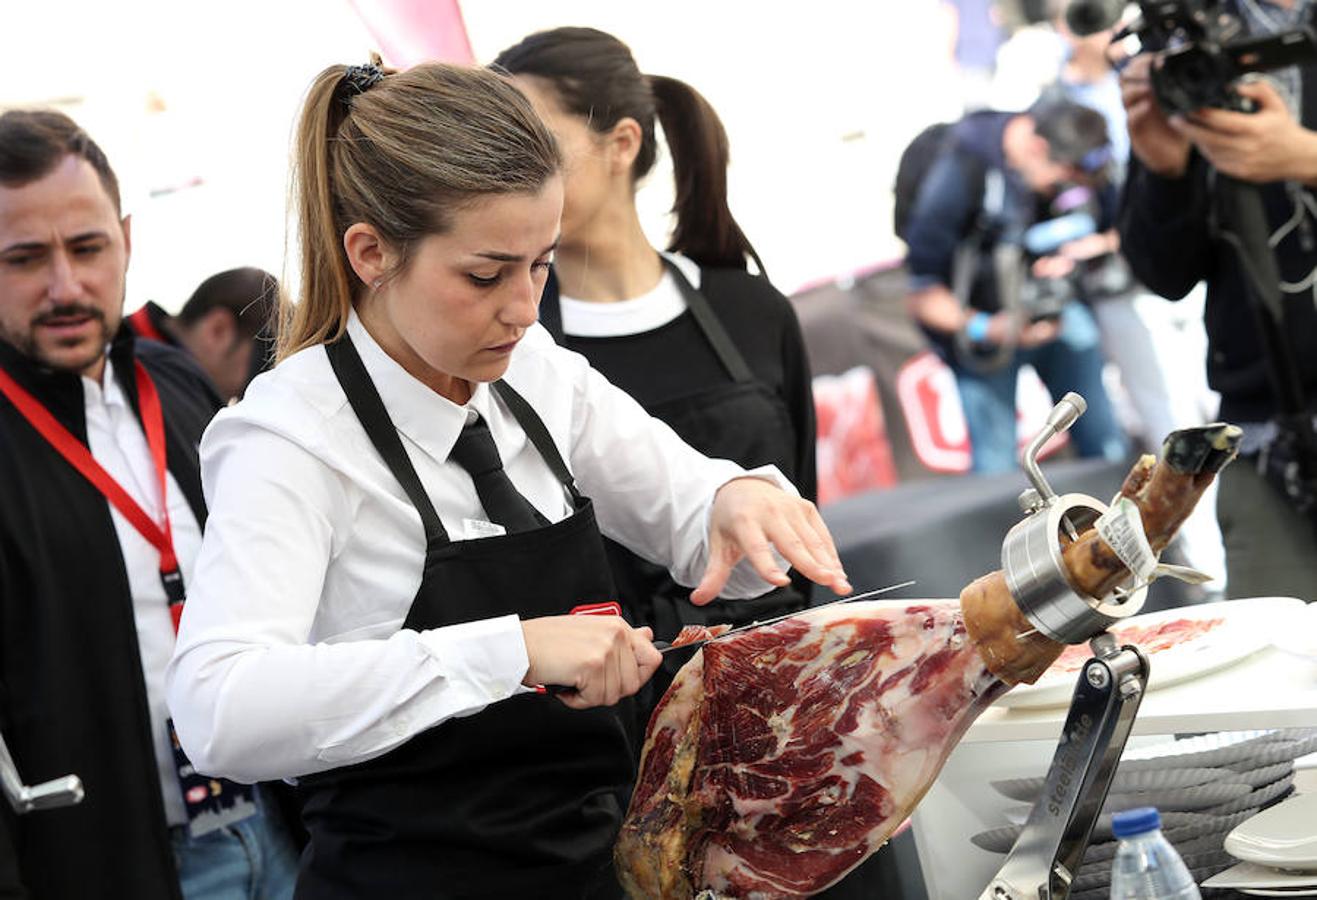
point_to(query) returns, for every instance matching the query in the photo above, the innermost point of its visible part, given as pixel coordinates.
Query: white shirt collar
(106, 392)
(429, 420)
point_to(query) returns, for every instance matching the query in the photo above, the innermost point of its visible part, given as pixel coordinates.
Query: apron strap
(705, 318)
(533, 425)
(708, 322)
(366, 403)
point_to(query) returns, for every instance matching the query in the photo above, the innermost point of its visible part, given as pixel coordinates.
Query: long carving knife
(665, 647)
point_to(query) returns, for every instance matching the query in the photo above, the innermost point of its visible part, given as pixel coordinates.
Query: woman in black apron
(713, 351)
(402, 552)
(710, 349)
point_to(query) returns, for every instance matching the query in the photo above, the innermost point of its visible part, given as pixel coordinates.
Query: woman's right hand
(1161, 149)
(601, 658)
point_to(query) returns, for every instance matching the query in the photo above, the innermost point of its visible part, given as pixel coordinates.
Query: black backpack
(916, 160)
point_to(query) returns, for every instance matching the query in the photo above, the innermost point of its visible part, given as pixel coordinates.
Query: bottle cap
(1136, 821)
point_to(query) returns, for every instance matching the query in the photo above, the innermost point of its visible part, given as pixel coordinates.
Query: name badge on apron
(211, 803)
(472, 529)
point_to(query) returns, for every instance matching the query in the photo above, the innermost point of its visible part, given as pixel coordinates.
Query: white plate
(1199, 798)
(1245, 627)
(1250, 877)
(1236, 750)
(1284, 836)
(1256, 799)
(1301, 639)
(1027, 790)
(1179, 827)
(1205, 798)
(1216, 744)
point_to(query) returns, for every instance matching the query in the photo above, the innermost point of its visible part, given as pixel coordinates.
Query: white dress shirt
(291, 658)
(116, 440)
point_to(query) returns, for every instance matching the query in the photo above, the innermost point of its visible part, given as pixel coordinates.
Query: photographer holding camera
(993, 259)
(1175, 234)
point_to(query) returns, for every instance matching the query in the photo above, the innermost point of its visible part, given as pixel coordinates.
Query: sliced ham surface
(780, 758)
(1151, 639)
(691, 634)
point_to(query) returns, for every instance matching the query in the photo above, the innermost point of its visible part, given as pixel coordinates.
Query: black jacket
(949, 208)
(157, 327)
(72, 696)
(1167, 236)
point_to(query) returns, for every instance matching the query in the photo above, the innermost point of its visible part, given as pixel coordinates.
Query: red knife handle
(610, 608)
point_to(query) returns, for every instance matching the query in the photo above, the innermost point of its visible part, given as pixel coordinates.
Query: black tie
(475, 452)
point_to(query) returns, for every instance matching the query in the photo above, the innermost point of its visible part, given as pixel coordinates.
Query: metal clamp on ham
(1067, 580)
(783, 756)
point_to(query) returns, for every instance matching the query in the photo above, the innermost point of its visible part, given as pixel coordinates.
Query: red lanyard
(142, 325)
(76, 453)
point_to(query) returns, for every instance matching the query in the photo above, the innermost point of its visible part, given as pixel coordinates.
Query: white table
(1271, 689)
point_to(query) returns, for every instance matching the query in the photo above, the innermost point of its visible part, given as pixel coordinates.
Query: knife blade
(665, 647)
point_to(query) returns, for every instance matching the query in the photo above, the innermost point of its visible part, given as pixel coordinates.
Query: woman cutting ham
(405, 511)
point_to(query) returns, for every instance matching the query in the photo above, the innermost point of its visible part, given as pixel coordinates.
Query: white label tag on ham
(1121, 527)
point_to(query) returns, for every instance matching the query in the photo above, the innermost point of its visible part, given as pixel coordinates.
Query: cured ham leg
(782, 756)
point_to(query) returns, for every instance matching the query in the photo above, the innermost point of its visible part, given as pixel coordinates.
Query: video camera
(1206, 48)
(1074, 216)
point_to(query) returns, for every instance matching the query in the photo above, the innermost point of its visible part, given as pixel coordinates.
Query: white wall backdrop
(195, 104)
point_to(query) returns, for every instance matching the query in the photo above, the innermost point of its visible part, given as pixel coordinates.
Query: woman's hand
(602, 658)
(750, 517)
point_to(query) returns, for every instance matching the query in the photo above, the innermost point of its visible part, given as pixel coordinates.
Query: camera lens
(1085, 17)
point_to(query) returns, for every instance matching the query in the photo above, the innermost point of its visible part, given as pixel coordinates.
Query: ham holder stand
(1048, 852)
(57, 792)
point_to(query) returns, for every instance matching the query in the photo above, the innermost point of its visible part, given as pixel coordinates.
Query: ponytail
(706, 230)
(595, 77)
(326, 283)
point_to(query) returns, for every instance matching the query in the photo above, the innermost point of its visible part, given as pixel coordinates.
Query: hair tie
(357, 80)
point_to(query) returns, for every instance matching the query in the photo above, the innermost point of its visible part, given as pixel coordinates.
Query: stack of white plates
(1204, 786)
(1279, 849)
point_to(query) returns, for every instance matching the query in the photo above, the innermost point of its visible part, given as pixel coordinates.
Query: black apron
(523, 799)
(742, 419)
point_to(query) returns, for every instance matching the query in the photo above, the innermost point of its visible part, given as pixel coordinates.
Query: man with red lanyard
(100, 523)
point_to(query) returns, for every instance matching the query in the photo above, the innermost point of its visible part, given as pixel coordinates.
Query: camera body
(1074, 213)
(1041, 299)
(1205, 48)
(1289, 462)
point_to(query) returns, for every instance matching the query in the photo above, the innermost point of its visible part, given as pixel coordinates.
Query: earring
(375, 285)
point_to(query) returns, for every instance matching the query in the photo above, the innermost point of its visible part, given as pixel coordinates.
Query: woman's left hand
(752, 516)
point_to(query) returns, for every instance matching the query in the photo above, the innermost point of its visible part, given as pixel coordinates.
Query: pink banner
(408, 32)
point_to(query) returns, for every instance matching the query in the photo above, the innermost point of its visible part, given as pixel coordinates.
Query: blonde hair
(400, 152)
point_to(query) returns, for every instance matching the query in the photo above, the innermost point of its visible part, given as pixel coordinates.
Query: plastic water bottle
(1147, 867)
